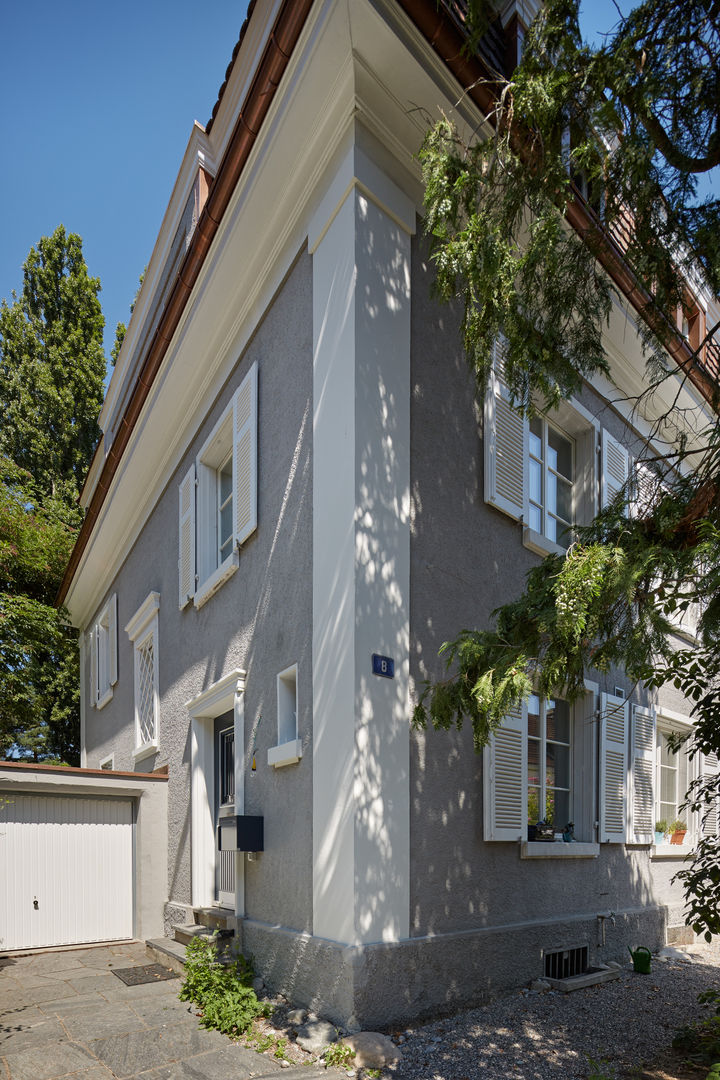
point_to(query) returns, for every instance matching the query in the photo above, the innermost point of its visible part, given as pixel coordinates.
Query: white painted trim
(228, 693)
(672, 717)
(537, 849)
(147, 750)
(361, 560)
(285, 754)
(219, 697)
(211, 585)
(143, 616)
(108, 762)
(83, 704)
(104, 699)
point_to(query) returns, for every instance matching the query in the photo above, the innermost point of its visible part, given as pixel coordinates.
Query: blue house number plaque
(383, 665)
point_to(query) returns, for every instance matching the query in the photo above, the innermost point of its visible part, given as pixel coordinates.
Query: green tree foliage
(52, 369)
(636, 121)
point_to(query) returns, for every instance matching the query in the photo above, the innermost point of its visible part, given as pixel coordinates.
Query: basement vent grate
(566, 963)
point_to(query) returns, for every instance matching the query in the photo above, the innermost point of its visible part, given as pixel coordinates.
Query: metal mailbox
(242, 832)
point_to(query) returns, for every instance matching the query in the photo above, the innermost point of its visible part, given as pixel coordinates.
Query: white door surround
(222, 696)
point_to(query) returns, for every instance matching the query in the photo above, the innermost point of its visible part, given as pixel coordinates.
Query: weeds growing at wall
(223, 993)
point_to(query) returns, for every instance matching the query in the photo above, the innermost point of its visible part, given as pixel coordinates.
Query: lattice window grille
(146, 691)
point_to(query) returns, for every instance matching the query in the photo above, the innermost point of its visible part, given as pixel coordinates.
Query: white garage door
(66, 870)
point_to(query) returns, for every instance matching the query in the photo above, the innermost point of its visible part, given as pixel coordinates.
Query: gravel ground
(548, 1035)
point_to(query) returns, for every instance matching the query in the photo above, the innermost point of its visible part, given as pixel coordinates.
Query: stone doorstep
(215, 918)
(184, 933)
(579, 982)
(168, 952)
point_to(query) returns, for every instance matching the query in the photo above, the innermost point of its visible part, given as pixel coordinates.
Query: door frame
(220, 697)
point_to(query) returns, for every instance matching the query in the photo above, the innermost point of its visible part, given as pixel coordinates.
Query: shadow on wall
(369, 587)
(467, 559)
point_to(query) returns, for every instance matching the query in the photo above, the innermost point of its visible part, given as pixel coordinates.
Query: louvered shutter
(112, 640)
(615, 467)
(642, 830)
(505, 442)
(505, 779)
(186, 556)
(92, 637)
(613, 769)
(709, 813)
(245, 456)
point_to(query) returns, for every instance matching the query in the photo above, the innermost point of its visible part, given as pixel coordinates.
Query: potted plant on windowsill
(678, 829)
(661, 830)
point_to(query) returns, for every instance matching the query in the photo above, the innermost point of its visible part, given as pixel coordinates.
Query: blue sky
(98, 100)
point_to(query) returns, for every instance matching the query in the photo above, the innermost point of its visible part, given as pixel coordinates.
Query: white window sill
(543, 849)
(141, 752)
(671, 851)
(104, 698)
(286, 754)
(218, 577)
(540, 544)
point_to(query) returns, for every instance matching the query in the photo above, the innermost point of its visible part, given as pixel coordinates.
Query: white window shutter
(613, 768)
(642, 826)
(186, 533)
(505, 779)
(92, 638)
(245, 422)
(615, 467)
(709, 816)
(112, 641)
(505, 442)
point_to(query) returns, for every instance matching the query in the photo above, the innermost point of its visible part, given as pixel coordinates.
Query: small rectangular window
(289, 749)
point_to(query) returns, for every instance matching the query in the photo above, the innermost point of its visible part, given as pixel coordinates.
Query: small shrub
(223, 993)
(339, 1055)
(280, 1048)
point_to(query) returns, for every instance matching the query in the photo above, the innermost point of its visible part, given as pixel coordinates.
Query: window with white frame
(143, 633)
(288, 750)
(549, 761)
(672, 781)
(103, 655)
(539, 766)
(543, 471)
(551, 474)
(218, 499)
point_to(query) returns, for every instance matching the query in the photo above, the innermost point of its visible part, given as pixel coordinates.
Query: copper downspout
(276, 55)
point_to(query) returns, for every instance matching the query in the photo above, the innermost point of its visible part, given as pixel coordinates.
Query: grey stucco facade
(378, 895)
(259, 620)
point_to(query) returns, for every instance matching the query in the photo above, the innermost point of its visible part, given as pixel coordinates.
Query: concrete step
(168, 952)
(215, 918)
(184, 933)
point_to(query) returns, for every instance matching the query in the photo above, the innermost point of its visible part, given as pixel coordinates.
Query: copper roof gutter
(447, 41)
(276, 55)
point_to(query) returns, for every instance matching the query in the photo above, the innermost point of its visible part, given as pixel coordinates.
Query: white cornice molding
(218, 698)
(143, 616)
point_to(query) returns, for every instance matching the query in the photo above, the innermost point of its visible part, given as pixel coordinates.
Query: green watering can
(641, 959)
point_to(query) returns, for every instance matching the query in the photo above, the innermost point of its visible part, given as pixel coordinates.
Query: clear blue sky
(98, 100)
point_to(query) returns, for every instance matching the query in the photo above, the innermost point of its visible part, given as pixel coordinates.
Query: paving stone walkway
(64, 1014)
